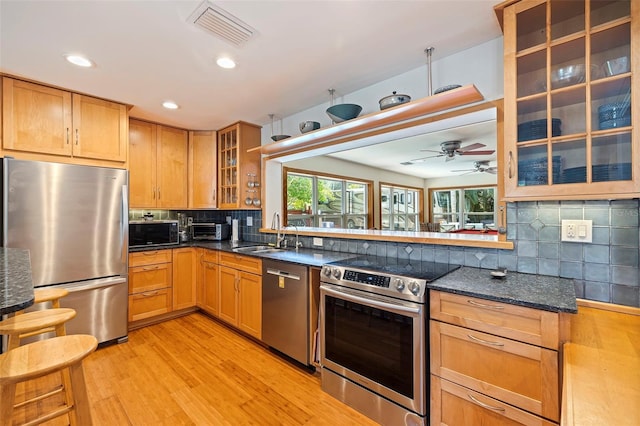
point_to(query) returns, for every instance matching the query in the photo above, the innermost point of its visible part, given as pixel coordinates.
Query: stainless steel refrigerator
(74, 221)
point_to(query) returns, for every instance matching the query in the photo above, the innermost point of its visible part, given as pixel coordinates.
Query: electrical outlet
(579, 231)
(317, 241)
(249, 220)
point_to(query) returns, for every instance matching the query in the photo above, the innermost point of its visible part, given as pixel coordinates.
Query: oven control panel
(366, 278)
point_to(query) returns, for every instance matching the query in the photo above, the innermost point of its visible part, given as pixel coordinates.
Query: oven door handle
(397, 308)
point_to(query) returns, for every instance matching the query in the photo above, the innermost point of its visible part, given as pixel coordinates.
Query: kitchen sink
(256, 249)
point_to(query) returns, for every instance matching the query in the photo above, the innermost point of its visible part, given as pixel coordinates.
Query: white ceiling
(146, 51)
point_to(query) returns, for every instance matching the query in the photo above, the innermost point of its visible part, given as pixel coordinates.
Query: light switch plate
(249, 220)
(578, 231)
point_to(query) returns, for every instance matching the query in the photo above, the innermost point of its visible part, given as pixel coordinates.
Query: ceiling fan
(450, 149)
(480, 166)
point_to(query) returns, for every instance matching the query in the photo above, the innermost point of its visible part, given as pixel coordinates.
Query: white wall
(481, 65)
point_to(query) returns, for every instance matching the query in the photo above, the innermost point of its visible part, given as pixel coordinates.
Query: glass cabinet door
(228, 146)
(568, 76)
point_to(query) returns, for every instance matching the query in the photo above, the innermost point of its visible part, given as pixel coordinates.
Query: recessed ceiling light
(80, 61)
(170, 105)
(227, 63)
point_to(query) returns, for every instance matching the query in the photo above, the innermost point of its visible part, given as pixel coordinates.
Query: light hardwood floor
(195, 371)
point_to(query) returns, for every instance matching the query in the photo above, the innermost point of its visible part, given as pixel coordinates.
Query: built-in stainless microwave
(149, 233)
(210, 231)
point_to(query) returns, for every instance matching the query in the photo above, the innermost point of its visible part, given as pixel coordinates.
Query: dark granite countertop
(303, 256)
(534, 291)
(16, 285)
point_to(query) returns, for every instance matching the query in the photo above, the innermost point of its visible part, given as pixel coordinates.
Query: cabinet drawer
(149, 304)
(515, 322)
(210, 256)
(152, 277)
(241, 262)
(452, 404)
(513, 372)
(140, 258)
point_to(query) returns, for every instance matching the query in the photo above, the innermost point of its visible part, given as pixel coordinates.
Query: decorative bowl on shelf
(567, 75)
(616, 66)
(277, 138)
(308, 126)
(343, 112)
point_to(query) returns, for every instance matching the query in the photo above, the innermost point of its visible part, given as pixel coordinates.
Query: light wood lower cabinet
(485, 348)
(184, 278)
(240, 282)
(150, 284)
(207, 279)
(453, 404)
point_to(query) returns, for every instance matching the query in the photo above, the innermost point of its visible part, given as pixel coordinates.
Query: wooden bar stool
(36, 322)
(45, 357)
(52, 295)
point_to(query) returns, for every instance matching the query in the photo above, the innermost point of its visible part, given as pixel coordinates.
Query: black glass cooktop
(412, 269)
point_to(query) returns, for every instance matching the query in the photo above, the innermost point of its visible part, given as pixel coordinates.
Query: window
(400, 207)
(327, 201)
(463, 208)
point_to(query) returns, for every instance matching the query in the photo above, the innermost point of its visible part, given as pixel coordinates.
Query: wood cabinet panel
(158, 166)
(184, 278)
(250, 304)
(142, 164)
(516, 322)
(210, 288)
(149, 304)
(36, 118)
(228, 282)
(141, 258)
(172, 161)
(100, 129)
(149, 277)
(517, 373)
(50, 124)
(456, 405)
(203, 153)
(244, 263)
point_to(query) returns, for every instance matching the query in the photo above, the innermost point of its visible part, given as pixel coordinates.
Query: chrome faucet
(275, 225)
(298, 243)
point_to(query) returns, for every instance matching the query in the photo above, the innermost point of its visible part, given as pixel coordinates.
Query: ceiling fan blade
(418, 160)
(475, 152)
(492, 170)
(463, 170)
(471, 147)
(430, 150)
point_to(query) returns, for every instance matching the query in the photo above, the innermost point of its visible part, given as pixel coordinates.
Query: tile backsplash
(604, 270)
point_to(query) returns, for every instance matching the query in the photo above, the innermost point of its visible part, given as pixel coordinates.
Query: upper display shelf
(376, 120)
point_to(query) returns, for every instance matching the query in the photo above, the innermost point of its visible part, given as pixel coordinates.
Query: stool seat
(36, 322)
(44, 357)
(52, 295)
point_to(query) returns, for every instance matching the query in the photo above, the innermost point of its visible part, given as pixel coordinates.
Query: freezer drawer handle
(283, 274)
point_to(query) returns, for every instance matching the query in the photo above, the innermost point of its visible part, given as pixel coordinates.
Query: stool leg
(82, 413)
(7, 398)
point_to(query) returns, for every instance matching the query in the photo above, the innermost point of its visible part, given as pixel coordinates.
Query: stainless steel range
(373, 336)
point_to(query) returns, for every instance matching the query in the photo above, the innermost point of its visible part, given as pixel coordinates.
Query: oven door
(376, 342)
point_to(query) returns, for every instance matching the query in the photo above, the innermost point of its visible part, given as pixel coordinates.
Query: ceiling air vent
(222, 24)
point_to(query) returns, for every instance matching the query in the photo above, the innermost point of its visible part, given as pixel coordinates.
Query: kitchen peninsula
(16, 287)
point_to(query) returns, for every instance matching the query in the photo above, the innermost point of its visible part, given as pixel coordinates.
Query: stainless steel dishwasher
(285, 308)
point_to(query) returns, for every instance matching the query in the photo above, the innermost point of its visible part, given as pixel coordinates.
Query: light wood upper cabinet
(237, 168)
(45, 123)
(184, 278)
(158, 166)
(203, 170)
(571, 101)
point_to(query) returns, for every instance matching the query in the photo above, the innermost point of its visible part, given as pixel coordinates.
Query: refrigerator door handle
(124, 224)
(91, 285)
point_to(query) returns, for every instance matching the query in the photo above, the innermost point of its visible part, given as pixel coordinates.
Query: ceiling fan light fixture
(79, 60)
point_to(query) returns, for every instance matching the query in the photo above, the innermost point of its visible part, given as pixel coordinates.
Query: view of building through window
(463, 208)
(327, 201)
(400, 207)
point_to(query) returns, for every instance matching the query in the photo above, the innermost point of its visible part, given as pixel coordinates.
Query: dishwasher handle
(285, 274)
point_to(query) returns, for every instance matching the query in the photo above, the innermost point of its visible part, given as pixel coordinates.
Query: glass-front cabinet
(239, 170)
(571, 99)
